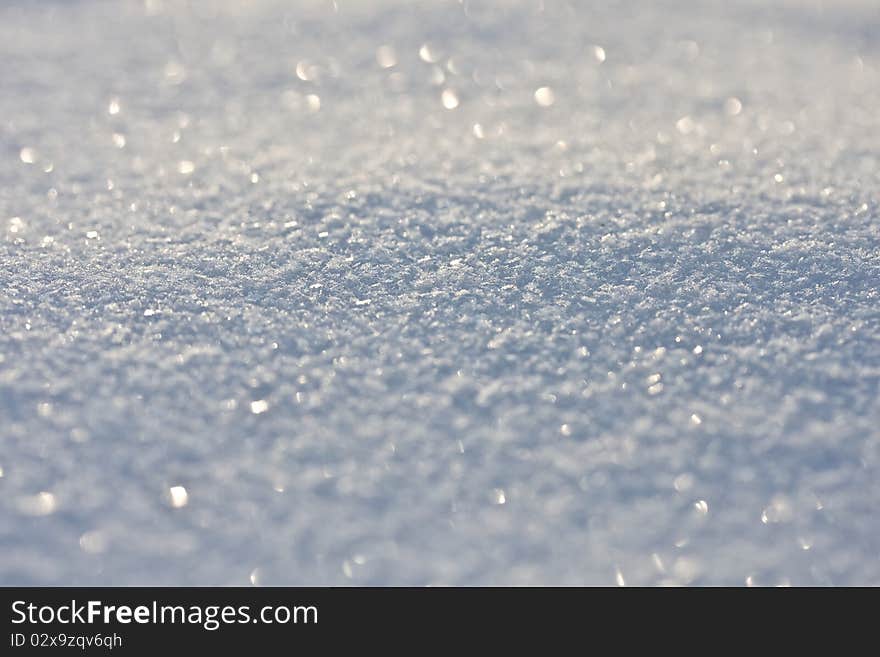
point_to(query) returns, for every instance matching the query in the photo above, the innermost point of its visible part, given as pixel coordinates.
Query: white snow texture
(462, 293)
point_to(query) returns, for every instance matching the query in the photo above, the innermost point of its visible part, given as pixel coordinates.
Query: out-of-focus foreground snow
(439, 292)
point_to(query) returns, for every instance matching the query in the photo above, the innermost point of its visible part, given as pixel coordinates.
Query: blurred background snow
(444, 292)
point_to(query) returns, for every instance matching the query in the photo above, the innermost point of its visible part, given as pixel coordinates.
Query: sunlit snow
(394, 292)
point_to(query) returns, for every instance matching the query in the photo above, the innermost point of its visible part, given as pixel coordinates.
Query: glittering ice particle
(428, 54)
(545, 96)
(449, 99)
(178, 497)
(42, 504)
(259, 406)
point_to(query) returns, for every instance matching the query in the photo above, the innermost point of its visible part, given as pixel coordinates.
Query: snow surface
(576, 293)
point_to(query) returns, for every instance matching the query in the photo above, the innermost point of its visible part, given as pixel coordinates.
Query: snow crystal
(439, 293)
